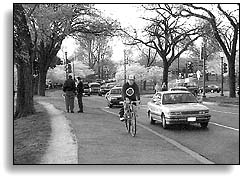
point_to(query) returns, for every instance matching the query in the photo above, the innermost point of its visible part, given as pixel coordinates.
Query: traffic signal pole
(204, 68)
(222, 76)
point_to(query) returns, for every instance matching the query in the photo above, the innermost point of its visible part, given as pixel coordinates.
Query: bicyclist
(130, 91)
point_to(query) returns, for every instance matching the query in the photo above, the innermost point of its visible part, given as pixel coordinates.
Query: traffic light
(190, 67)
(225, 68)
(69, 68)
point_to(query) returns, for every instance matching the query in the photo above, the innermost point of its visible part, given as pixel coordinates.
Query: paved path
(62, 147)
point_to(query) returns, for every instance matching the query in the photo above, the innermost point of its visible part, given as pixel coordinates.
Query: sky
(126, 14)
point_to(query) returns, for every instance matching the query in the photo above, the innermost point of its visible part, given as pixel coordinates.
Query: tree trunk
(42, 82)
(165, 74)
(144, 85)
(231, 63)
(35, 85)
(24, 102)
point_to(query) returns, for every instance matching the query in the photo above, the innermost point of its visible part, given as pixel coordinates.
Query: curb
(63, 146)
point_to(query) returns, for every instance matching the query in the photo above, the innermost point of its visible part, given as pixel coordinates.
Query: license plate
(191, 119)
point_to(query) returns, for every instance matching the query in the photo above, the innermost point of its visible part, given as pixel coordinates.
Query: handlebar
(130, 102)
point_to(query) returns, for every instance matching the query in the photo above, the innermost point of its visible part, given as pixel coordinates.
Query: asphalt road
(219, 143)
(102, 138)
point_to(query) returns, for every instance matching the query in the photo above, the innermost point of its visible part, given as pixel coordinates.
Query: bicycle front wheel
(127, 125)
(133, 125)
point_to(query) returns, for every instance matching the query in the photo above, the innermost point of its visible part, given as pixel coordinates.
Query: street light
(222, 73)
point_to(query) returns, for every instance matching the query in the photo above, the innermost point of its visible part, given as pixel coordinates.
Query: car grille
(189, 112)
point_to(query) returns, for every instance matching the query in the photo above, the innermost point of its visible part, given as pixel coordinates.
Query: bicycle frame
(130, 116)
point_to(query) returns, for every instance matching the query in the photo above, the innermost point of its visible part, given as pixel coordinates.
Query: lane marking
(173, 142)
(214, 123)
(224, 112)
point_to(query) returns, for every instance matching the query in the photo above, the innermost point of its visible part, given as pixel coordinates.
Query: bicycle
(130, 116)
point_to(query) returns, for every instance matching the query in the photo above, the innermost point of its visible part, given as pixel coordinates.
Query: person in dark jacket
(130, 91)
(164, 88)
(69, 88)
(80, 91)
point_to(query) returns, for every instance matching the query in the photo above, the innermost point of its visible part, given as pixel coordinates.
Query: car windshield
(176, 98)
(116, 91)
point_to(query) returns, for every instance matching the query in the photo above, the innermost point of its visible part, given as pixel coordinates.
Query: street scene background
(102, 44)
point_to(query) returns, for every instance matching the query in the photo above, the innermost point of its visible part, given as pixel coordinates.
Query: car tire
(164, 125)
(204, 125)
(152, 121)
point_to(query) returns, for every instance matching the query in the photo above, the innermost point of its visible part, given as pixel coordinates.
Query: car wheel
(151, 118)
(204, 125)
(164, 125)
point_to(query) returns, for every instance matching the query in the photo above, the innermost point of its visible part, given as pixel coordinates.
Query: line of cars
(177, 106)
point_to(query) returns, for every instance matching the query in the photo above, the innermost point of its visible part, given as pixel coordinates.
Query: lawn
(31, 135)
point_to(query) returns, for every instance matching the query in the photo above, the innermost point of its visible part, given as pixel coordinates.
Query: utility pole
(222, 74)
(178, 64)
(204, 60)
(66, 65)
(125, 63)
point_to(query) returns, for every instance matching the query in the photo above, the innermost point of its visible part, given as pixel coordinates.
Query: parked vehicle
(106, 88)
(114, 97)
(177, 107)
(211, 88)
(94, 88)
(189, 83)
(87, 89)
(179, 89)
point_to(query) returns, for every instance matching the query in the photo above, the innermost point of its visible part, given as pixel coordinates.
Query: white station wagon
(177, 107)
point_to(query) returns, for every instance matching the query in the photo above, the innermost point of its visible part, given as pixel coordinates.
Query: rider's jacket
(130, 91)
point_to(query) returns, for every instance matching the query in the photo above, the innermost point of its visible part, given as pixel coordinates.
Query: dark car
(114, 97)
(106, 88)
(86, 89)
(211, 88)
(94, 88)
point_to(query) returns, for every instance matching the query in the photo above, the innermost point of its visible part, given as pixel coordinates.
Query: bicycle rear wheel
(133, 125)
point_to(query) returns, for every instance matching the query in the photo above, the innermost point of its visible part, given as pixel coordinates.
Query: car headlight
(204, 112)
(174, 113)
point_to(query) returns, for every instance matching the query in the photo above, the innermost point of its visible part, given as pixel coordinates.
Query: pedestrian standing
(69, 88)
(80, 91)
(164, 88)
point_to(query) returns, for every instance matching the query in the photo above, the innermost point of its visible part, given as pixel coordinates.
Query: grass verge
(31, 135)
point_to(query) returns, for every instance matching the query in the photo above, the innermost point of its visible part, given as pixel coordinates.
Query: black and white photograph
(126, 84)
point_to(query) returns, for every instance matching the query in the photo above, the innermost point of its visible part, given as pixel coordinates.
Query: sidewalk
(62, 147)
(98, 137)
